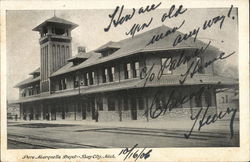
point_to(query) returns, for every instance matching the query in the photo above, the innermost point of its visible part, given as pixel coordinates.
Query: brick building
(111, 79)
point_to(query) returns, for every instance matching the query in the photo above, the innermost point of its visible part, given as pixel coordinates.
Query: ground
(83, 134)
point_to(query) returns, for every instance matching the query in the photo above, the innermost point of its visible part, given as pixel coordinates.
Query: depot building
(107, 83)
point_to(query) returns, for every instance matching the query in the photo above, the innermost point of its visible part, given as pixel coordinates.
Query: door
(53, 112)
(63, 111)
(83, 110)
(133, 109)
(92, 103)
(31, 113)
(45, 112)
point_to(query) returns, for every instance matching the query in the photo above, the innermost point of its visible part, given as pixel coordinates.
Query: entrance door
(92, 103)
(53, 112)
(133, 109)
(83, 110)
(45, 112)
(63, 111)
(31, 113)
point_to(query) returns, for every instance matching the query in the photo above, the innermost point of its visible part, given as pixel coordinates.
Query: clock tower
(55, 47)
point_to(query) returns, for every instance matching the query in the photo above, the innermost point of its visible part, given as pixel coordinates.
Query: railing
(29, 96)
(55, 36)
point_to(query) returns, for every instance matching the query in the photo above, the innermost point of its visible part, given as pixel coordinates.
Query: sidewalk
(170, 124)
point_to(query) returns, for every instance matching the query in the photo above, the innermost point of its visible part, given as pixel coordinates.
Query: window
(108, 52)
(104, 75)
(66, 106)
(76, 82)
(198, 101)
(62, 84)
(141, 103)
(85, 79)
(137, 69)
(78, 107)
(125, 104)
(37, 89)
(100, 104)
(167, 70)
(89, 105)
(93, 77)
(111, 104)
(222, 99)
(58, 108)
(127, 71)
(23, 92)
(159, 102)
(108, 74)
(63, 55)
(30, 91)
(208, 98)
(58, 52)
(111, 74)
(105, 53)
(90, 78)
(59, 31)
(199, 62)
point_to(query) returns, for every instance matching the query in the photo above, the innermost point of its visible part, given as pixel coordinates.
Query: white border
(161, 154)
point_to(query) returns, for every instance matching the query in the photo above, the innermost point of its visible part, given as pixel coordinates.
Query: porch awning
(166, 80)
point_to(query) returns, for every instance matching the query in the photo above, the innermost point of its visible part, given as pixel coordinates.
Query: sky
(23, 44)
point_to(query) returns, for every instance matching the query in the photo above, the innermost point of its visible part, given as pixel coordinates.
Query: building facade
(131, 79)
(228, 98)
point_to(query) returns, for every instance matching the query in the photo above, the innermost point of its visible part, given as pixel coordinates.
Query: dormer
(108, 49)
(35, 73)
(80, 57)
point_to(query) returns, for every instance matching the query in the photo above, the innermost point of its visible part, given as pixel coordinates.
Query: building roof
(79, 56)
(55, 20)
(137, 45)
(37, 71)
(28, 81)
(109, 45)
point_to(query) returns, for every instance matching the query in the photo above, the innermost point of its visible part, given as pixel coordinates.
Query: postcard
(125, 80)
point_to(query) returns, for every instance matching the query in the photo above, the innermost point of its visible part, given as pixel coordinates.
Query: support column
(41, 108)
(215, 101)
(120, 107)
(21, 111)
(147, 107)
(34, 113)
(96, 106)
(95, 77)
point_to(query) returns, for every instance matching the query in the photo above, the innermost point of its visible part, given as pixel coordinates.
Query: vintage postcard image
(124, 81)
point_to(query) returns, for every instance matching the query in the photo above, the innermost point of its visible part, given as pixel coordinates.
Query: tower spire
(54, 13)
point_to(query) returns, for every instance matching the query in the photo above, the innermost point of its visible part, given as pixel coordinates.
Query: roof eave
(39, 27)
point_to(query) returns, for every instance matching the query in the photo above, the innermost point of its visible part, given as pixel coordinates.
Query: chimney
(81, 49)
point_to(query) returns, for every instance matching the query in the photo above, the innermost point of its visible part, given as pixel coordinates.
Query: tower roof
(56, 20)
